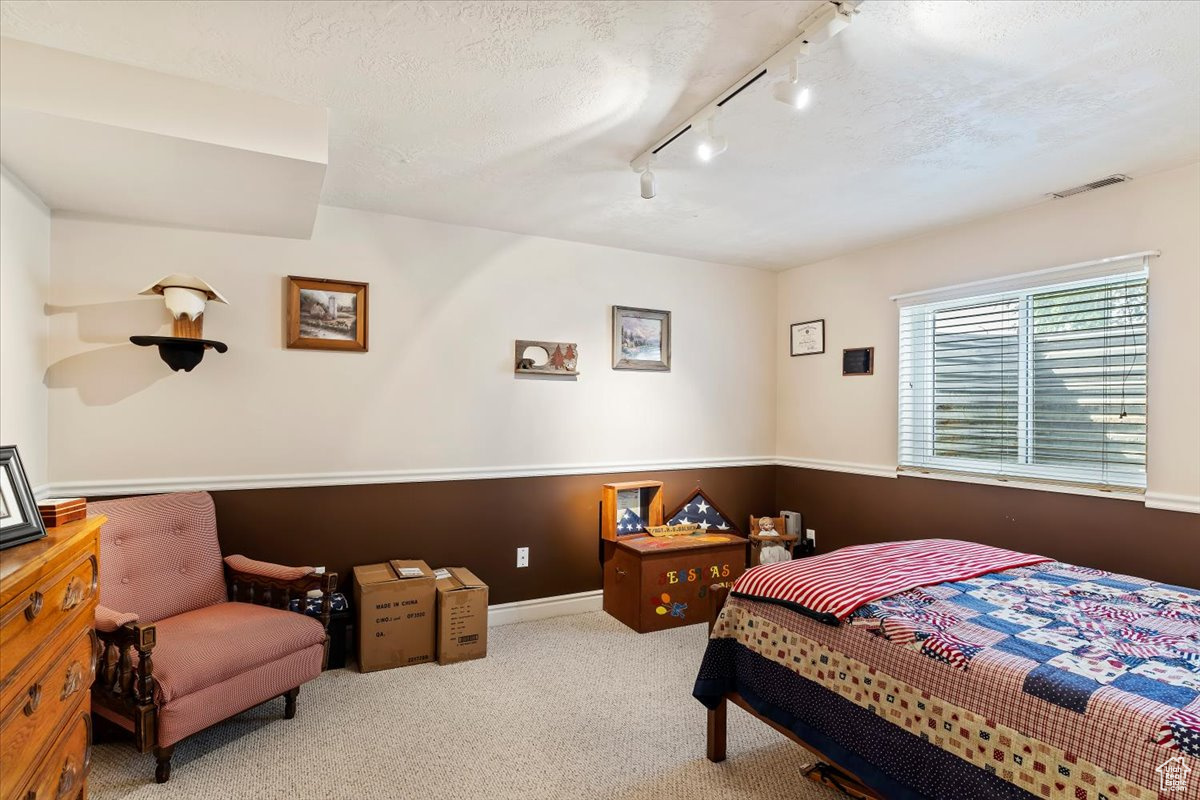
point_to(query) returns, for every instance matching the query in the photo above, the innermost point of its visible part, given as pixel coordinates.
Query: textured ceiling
(523, 116)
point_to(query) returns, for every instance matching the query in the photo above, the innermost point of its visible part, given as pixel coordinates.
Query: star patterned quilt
(1079, 630)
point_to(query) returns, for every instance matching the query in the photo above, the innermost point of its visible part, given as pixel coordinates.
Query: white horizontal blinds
(976, 381)
(1046, 383)
(1088, 377)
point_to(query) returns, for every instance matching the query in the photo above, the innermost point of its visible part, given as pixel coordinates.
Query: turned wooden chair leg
(716, 732)
(162, 771)
(289, 703)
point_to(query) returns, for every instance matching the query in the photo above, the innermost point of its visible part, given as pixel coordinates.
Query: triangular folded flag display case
(700, 509)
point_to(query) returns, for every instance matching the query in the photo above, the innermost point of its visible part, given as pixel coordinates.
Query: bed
(943, 669)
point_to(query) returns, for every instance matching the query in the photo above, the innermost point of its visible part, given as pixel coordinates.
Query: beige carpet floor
(572, 707)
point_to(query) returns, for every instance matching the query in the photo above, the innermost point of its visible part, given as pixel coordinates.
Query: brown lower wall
(1118, 535)
(481, 523)
(478, 524)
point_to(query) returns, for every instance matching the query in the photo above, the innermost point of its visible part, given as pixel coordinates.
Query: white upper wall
(435, 391)
(825, 417)
(24, 279)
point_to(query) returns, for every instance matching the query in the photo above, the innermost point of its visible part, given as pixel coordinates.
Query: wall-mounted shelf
(178, 352)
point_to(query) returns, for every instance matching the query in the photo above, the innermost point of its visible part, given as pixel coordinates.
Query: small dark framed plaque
(858, 361)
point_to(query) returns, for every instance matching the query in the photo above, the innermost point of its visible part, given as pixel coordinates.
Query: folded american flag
(830, 587)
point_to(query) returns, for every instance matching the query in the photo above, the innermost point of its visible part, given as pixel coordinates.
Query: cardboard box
(397, 614)
(462, 601)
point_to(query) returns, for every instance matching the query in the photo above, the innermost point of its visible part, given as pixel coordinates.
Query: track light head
(710, 145)
(791, 91)
(649, 184)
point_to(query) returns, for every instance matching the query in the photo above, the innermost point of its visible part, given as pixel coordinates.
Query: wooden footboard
(828, 773)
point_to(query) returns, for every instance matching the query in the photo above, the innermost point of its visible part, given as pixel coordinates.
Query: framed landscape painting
(325, 314)
(641, 339)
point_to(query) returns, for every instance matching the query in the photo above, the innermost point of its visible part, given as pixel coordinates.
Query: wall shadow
(115, 322)
(108, 375)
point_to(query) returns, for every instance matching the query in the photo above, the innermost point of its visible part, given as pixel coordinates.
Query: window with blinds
(1045, 383)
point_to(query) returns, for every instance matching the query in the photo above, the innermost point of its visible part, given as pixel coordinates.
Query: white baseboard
(1188, 503)
(562, 605)
(874, 470)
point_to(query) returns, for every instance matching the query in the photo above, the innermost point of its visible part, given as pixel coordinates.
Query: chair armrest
(108, 620)
(265, 569)
(267, 584)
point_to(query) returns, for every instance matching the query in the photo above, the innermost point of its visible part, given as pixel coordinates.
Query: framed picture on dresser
(20, 520)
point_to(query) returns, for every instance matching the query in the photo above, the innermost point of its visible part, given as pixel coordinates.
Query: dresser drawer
(62, 774)
(15, 687)
(41, 704)
(29, 620)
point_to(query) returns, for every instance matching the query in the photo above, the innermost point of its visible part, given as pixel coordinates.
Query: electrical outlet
(522, 557)
(811, 535)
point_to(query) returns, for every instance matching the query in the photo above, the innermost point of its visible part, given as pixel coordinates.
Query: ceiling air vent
(1087, 187)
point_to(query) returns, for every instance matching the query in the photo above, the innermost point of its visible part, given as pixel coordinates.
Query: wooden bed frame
(826, 771)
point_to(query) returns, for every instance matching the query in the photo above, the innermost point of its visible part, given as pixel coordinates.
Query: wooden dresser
(47, 662)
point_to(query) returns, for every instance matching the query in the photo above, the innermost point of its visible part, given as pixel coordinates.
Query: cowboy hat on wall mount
(186, 297)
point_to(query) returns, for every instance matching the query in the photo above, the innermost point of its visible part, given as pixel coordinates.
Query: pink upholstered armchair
(186, 640)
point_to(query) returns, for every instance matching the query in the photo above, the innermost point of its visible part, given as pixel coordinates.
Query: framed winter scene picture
(641, 339)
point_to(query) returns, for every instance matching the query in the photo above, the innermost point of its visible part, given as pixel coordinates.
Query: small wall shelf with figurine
(657, 576)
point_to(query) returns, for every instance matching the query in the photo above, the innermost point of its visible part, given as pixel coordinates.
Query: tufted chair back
(159, 555)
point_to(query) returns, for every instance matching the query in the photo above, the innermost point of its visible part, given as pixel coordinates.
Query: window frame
(916, 437)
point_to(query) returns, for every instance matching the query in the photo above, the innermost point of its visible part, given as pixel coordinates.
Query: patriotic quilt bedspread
(1064, 681)
(1074, 632)
(981, 715)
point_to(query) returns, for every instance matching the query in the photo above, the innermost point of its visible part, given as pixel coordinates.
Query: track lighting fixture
(644, 167)
(649, 184)
(791, 91)
(828, 20)
(710, 145)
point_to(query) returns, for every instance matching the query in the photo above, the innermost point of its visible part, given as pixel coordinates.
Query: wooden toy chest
(655, 583)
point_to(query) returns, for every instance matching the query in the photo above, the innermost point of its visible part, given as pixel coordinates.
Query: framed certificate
(808, 338)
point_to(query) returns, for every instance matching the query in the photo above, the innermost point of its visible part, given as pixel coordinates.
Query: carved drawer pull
(35, 700)
(74, 594)
(621, 573)
(35, 606)
(69, 778)
(74, 680)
